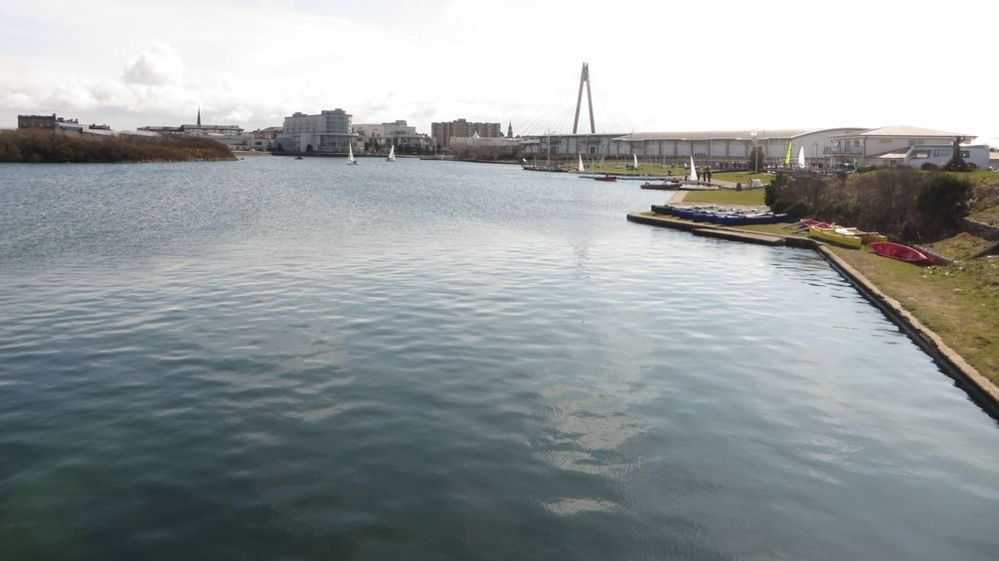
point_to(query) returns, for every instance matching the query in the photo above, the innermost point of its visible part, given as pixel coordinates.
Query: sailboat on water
(391, 156)
(351, 160)
(693, 173)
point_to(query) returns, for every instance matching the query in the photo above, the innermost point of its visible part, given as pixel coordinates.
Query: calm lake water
(281, 359)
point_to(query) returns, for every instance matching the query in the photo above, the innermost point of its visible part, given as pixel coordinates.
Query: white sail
(580, 169)
(635, 160)
(801, 157)
(391, 156)
(350, 154)
(693, 170)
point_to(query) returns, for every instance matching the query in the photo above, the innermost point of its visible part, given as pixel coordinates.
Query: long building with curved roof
(731, 149)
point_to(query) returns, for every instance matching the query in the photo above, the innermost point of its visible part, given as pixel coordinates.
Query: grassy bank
(960, 302)
(725, 197)
(621, 168)
(744, 177)
(47, 147)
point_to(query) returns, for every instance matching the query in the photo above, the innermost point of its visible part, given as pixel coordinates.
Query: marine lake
(281, 359)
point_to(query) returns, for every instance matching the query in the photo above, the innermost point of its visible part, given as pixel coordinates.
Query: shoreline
(982, 391)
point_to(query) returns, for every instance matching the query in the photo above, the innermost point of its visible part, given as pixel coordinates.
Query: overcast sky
(655, 66)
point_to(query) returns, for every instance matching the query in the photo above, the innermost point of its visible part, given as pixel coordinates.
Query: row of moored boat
(720, 215)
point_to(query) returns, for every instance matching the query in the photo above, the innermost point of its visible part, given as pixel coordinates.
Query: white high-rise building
(328, 132)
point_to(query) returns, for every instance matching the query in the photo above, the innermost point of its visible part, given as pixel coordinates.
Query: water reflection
(432, 360)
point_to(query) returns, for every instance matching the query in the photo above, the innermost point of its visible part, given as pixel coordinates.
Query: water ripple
(429, 360)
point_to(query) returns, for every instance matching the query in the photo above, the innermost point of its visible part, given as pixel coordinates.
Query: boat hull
(667, 186)
(832, 236)
(900, 252)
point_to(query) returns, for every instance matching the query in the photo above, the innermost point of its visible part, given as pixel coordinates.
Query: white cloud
(655, 66)
(158, 65)
(16, 100)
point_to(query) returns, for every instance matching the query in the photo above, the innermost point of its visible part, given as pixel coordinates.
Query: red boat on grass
(900, 252)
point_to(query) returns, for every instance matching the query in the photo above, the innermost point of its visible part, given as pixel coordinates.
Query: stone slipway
(724, 233)
(982, 390)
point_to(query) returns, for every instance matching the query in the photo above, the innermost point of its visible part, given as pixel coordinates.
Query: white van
(940, 154)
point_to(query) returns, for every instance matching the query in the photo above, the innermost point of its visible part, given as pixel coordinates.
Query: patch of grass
(960, 247)
(977, 176)
(621, 168)
(959, 302)
(985, 201)
(744, 177)
(726, 197)
(778, 229)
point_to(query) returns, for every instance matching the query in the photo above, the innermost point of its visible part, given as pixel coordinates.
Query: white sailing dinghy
(801, 157)
(580, 168)
(634, 164)
(351, 160)
(391, 156)
(693, 173)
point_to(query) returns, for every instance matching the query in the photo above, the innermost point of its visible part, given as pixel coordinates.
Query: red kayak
(900, 252)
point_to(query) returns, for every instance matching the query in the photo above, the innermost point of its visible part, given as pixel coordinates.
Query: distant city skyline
(654, 67)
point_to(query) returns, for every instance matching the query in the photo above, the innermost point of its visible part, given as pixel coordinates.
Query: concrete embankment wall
(980, 229)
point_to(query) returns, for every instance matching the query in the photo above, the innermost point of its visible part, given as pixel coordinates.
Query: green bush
(943, 202)
(772, 190)
(771, 194)
(798, 210)
(899, 202)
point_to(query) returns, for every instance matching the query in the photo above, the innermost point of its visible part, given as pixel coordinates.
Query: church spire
(199, 116)
(509, 130)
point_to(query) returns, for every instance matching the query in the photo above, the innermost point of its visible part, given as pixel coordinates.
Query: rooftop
(761, 134)
(902, 131)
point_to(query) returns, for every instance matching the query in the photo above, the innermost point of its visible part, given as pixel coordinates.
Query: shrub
(943, 202)
(771, 194)
(899, 202)
(798, 210)
(46, 146)
(929, 166)
(772, 190)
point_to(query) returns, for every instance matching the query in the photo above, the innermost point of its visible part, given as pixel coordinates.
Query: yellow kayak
(843, 238)
(865, 237)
